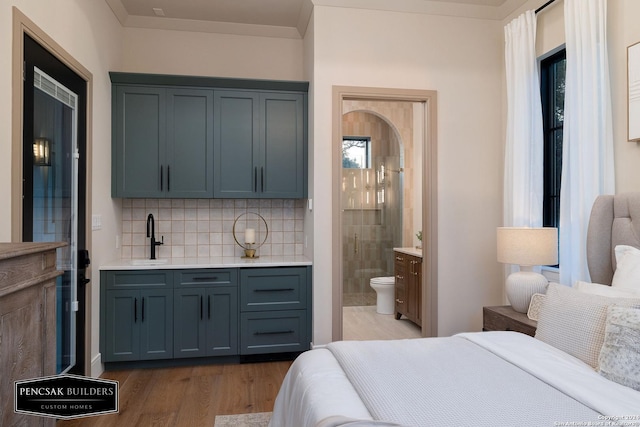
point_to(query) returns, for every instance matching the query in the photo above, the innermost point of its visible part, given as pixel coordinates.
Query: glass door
(51, 213)
(356, 160)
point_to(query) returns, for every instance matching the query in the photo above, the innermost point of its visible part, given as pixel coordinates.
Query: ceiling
(279, 18)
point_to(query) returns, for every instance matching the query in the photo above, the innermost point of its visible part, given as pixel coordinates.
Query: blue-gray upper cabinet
(162, 142)
(260, 144)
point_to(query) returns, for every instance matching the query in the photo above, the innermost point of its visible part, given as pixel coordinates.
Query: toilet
(384, 287)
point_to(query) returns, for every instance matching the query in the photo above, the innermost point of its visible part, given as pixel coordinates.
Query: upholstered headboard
(615, 220)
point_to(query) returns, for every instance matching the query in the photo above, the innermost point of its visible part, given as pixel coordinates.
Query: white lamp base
(521, 286)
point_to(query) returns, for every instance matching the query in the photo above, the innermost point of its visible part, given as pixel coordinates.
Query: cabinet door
(189, 168)
(139, 122)
(235, 141)
(418, 280)
(122, 336)
(222, 321)
(413, 288)
(156, 324)
(189, 325)
(282, 163)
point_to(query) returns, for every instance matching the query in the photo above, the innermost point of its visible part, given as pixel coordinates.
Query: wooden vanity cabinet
(408, 287)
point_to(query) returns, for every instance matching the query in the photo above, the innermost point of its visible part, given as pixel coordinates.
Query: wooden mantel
(27, 321)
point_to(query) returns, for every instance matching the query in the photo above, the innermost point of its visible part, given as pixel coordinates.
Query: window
(552, 86)
(356, 152)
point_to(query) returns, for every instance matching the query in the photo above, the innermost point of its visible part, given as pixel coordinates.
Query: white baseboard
(96, 366)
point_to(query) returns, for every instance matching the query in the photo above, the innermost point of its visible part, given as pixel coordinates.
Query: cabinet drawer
(206, 277)
(273, 289)
(274, 332)
(138, 279)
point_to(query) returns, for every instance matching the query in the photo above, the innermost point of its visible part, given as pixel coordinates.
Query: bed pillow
(627, 274)
(574, 321)
(606, 291)
(620, 355)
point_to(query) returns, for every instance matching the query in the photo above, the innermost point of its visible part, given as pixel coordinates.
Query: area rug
(258, 419)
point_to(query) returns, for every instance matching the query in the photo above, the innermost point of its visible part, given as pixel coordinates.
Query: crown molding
(430, 7)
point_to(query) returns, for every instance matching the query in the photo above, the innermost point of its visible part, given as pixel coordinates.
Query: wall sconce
(250, 245)
(41, 152)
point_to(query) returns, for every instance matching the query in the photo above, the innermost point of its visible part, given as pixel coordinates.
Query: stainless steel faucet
(151, 232)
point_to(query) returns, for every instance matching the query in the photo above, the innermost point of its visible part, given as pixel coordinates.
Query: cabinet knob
(399, 301)
(399, 258)
(399, 277)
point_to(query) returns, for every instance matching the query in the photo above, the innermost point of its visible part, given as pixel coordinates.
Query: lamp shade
(528, 246)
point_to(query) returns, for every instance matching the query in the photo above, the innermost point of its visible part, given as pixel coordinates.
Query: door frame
(23, 25)
(429, 198)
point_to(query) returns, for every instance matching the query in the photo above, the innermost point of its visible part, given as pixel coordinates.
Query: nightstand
(505, 318)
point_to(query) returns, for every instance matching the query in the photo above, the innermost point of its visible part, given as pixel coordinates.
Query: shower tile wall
(370, 233)
(400, 114)
(202, 228)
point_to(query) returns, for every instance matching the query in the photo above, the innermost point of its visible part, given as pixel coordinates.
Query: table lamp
(526, 247)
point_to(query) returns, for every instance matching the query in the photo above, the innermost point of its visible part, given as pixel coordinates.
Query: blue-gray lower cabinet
(275, 305)
(205, 321)
(136, 318)
(274, 331)
(139, 325)
(189, 313)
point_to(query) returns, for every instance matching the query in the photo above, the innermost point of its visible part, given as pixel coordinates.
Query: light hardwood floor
(194, 395)
(189, 396)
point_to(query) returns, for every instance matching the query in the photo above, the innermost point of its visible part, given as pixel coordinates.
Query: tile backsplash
(202, 228)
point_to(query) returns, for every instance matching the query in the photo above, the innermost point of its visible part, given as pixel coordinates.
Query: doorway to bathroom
(381, 141)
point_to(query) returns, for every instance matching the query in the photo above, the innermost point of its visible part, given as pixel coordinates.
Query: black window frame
(553, 133)
(367, 146)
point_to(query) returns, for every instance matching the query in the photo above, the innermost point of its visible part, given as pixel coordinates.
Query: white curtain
(587, 155)
(523, 174)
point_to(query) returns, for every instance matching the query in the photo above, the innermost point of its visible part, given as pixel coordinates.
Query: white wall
(208, 54)
(623, 31)
(460, 58)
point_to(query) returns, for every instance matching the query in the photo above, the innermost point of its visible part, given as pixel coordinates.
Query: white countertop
(214, 262)
(410, 251)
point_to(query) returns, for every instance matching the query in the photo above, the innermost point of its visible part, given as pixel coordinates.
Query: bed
(582, 368)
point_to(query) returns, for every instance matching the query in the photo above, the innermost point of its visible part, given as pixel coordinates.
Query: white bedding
(318, 392)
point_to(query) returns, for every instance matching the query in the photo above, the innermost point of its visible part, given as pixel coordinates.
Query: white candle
(249, 236)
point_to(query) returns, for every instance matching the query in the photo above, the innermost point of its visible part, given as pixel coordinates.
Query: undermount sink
(149, 261)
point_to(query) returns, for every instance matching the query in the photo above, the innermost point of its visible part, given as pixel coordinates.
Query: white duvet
(440, 387)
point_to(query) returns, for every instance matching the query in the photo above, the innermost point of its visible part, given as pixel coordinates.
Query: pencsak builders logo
(66, 396)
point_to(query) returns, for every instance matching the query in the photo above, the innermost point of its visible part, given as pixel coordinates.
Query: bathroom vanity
(408, 290)
(225, 309)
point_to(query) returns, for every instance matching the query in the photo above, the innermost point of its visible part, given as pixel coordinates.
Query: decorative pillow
(574, 321)
(620, 355)
(534, 306)
(627, 273)
(606, 291)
